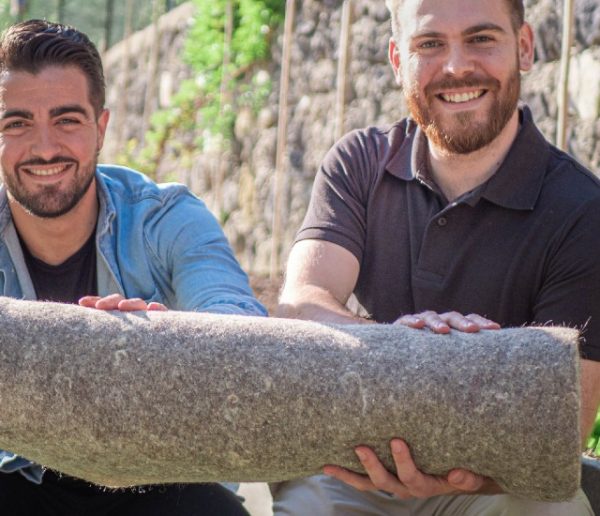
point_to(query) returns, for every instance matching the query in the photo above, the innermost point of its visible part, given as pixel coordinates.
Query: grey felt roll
(122, 399)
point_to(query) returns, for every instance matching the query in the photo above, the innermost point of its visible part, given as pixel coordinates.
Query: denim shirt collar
(106, 209)
(108, 276)
(20, 287)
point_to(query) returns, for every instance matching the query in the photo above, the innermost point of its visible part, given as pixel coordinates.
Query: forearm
(316, 304)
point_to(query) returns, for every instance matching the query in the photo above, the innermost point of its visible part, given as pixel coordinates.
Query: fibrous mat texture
(122, 399)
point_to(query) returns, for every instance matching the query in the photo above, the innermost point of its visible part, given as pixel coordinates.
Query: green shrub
(207, 105)
(593, 443)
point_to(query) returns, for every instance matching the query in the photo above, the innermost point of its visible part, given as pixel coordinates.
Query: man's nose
(458, 62)
(45, 145)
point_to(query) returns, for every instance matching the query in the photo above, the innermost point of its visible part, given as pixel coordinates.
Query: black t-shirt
(68, 281)
(520, 249)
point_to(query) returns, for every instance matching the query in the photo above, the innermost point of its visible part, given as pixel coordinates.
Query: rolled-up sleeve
(203, 271)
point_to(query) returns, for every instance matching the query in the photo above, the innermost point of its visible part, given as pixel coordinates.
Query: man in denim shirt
(104, 236)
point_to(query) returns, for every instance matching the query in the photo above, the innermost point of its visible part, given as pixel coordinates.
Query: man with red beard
(463, 208)
(101, 235)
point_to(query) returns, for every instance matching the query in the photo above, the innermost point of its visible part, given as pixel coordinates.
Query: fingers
(483, 323)
(461, 322)
(89, 301)
(408, 482)
(355, 480)
(464, 480)
(430, 320)
(132, 305)
(156, 307)
(118, 302)
(445, 322)
(102, 303)
(416, 483)
(412, 321)
(380, 477)
(377, 478)
(109, 302)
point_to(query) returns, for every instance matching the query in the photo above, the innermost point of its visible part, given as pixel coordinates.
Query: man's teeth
(461, 97)
(46, 171)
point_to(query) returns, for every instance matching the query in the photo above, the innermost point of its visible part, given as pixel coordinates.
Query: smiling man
(106, 236)
(461, 217)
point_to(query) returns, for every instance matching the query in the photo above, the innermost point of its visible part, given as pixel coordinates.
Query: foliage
(593, 443)
(89, 16)
(227, 78)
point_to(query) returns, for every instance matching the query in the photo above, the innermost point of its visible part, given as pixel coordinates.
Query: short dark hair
(515, 7)
(32, 45)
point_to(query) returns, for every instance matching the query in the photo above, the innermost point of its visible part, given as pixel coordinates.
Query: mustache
(39, 161)
(448, 83)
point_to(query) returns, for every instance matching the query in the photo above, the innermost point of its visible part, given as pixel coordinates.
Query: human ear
(394, 57)
(526, 47)
(102, 124)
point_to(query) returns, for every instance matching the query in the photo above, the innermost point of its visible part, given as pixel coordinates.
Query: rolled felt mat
(137, 398)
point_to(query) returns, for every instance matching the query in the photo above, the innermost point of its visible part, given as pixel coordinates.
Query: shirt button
(442, 221)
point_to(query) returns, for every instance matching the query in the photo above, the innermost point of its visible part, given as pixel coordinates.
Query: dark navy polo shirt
(522, 248)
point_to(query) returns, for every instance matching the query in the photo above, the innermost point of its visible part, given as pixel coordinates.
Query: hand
(443, 323)
(118, 302)
(408, 482)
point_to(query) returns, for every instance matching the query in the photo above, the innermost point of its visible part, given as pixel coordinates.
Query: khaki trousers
(324, 496)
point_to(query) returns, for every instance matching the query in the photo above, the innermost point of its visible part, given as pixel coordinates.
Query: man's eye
(16, 124)
(430, 44)
(481, 39)
(68, 121)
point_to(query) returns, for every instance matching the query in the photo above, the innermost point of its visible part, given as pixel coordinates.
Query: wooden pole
(18, 9)
(342, 68)
(108, 22)
(60, 11)
(225, 104)
(563, 87)
(276, 230)
(153, 71)
(121, 112)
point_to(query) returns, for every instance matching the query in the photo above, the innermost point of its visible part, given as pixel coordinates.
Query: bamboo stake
(60, 11)
(153, 70)
(108, 23)
(342, 68)
(19, 9)
(225, 104)
(563, 89)
(121, 112)
(276, 230)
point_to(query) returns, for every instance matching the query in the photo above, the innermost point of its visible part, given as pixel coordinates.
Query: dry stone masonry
(371, 98)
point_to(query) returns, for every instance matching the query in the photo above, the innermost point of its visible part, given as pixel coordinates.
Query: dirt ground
(257, 495)
(257, 498)
(266, 290)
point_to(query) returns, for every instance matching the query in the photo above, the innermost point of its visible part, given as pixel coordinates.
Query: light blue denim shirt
(156, 242)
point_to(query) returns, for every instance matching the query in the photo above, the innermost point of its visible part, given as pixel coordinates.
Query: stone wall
(142, 72)
(244, 203)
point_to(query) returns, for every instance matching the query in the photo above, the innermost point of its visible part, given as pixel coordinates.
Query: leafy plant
(224, 52)
(593, 443)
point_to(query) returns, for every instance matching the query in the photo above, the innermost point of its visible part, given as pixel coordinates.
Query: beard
(50, 201)
(464, 134)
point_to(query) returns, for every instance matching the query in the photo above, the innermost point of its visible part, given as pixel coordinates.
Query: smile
(457, 98)
(44, 172)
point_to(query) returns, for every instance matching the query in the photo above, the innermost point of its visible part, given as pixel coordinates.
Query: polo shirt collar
(404, 163)
(515, 185)
(518, 182)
